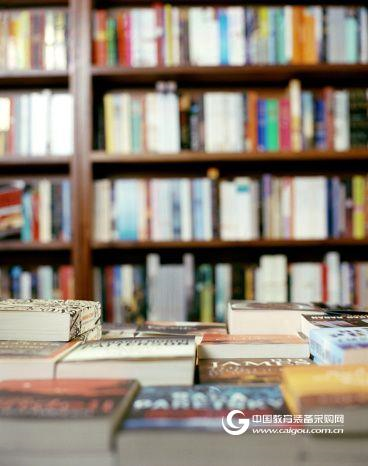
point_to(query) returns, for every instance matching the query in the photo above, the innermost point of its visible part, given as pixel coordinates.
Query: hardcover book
(244, 371)
(62, 415)
(180, 328)
(47, 320)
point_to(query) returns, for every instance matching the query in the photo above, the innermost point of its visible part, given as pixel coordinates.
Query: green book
(280, 36)
(204, 300)
(351, 36)
(111, 34)
(272, 124)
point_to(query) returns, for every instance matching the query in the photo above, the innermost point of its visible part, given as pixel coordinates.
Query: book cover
(244, 371)
(62, 399)
(215, 339)
(200, 407)
(181, 328)
(34, 349)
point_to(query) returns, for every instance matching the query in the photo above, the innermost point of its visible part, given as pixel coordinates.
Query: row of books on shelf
(243, 208)
(292, 119)
(38, 210)
(139, 384)
(34, 39)
(198, 291)
(36, 123)
(43, 282)
(166, 35)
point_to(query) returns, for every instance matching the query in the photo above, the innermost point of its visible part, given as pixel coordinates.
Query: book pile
(271, 207)
(36, 123)
(166, 35)
(64, 401)
(291, 119)
(198, 291)
(38, 210)
(33, 39)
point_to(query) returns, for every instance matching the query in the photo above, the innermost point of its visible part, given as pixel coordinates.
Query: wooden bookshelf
(84, 80)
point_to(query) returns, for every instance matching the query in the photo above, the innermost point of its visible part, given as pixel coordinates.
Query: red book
(121, 37)
(127, 38)
(284, 127)
(159, 9)
(324, 283)
(252, 134)
(99, 45)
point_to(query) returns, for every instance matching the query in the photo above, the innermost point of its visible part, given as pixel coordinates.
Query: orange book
(121, 37)
(99, 38)
(252, 121)
(297, 18)
(309, 45)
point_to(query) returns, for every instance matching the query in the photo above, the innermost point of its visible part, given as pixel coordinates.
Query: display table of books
(278, 384)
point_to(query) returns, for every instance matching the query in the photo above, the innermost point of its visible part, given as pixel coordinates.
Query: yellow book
(23, 39)
(263, 33)
(314, 387)
(358, 212)
(294, 92)
(109, 123)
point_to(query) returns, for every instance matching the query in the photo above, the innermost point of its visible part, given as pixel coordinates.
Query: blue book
(320, 125)
(126, 209)
(117, 294)
(200, 407)
(197, 209)
(15, 274)
(27, 213)
(262, 124)
(224, 35)
(339, 345)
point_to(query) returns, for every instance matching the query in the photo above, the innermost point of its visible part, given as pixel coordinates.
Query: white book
(236, 35)
(310, 207)
(336, 51)
(286, 207)
(5, 113)
(152, 121)
(341, 120)
(215, 133)
(45, 282)
(288, 18)
(148, 44)
(143, 233)
(49, 41)
(227, 200)
(185, 210)
(102, 211)
(210, 34)
(24, 137)
(135, 37)
(332, 261)
(194, 28)
(126, 120)
(61, 124)
(25, 288)
(170, 124)
(234, 118)
(273, 278)
(40, 118)
(306, 282)
(243, 208)
(207, 209)
(295, 115)
(345, 284)
(223, 289)
(60, 46)
(45, 211)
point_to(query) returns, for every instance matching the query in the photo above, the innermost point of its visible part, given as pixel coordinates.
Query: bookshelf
(85, 81)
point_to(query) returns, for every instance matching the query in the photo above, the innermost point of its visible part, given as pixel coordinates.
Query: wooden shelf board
(32, 77)
(44, 160)
(14, 245)
(218, 244)
(242, 74)
(100, 157)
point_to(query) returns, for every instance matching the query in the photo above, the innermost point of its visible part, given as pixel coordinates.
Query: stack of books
(166, 35)
(291, 119)
(197, 291)
(38, 210)
(271, 207)
(34, 39)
